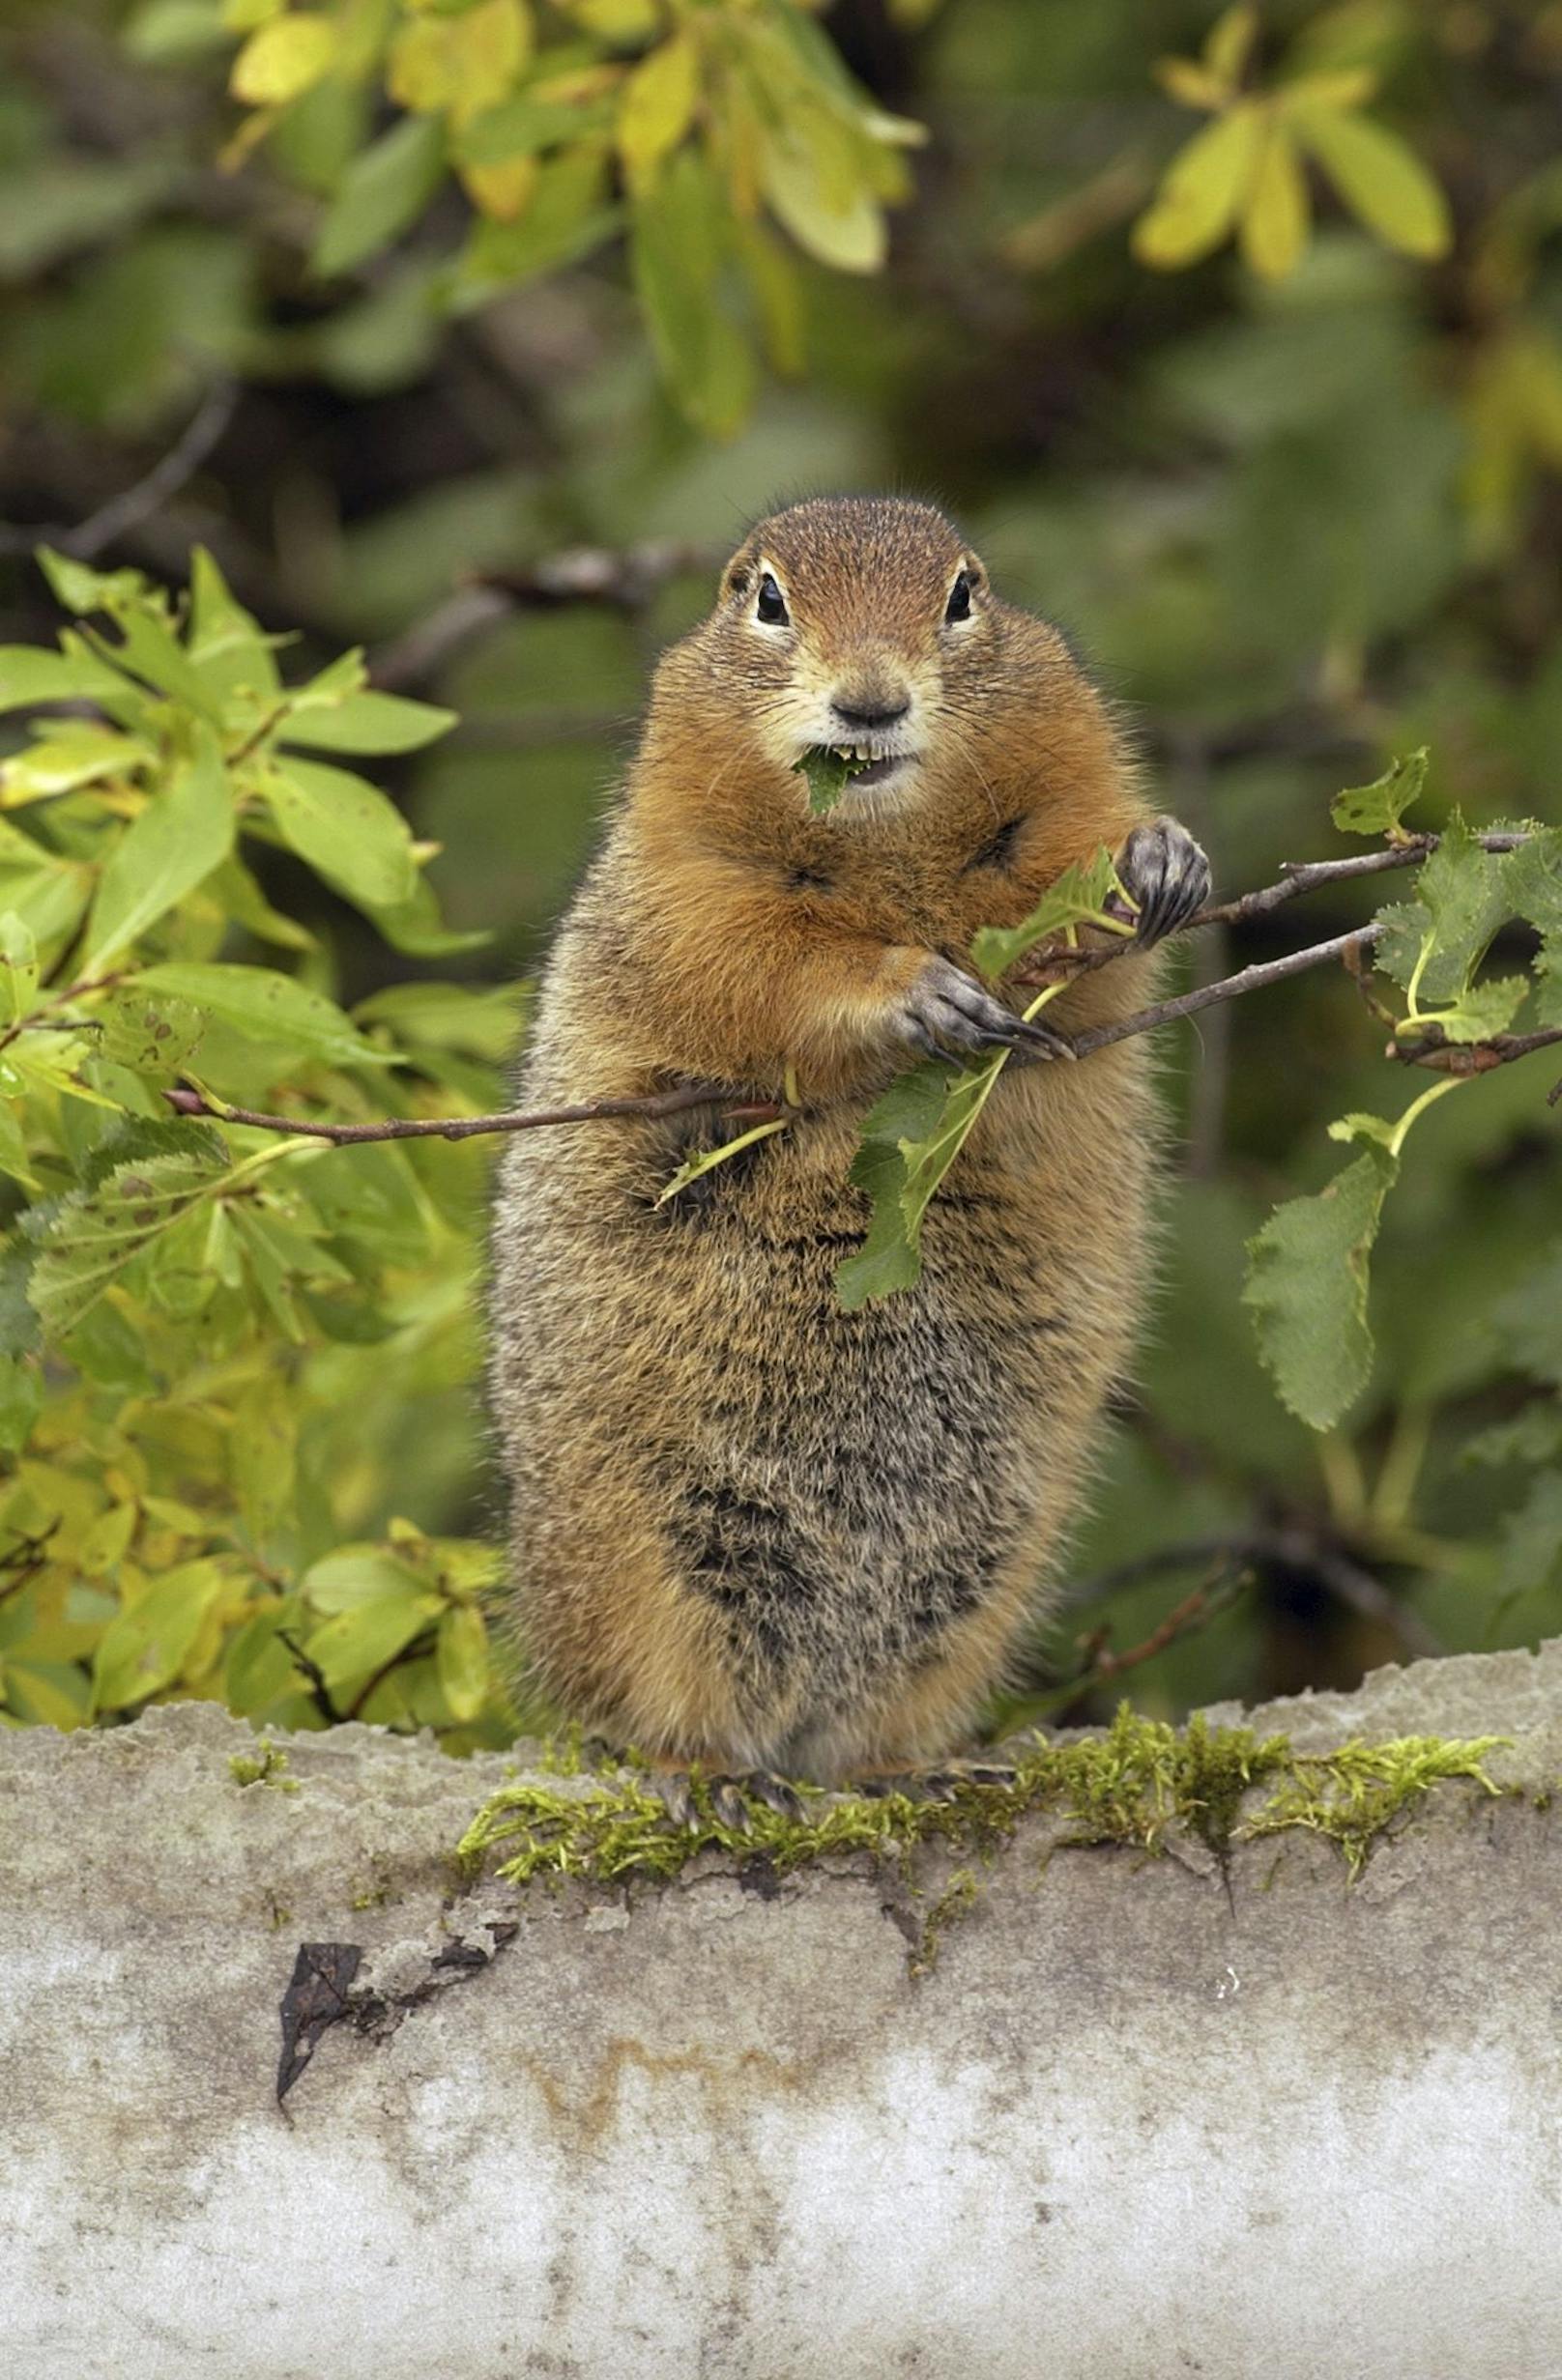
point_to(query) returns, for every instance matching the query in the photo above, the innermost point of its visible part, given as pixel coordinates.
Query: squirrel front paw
(1167, 874)
(946, 1013)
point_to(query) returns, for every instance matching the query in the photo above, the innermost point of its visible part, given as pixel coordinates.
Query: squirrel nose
(859, 707)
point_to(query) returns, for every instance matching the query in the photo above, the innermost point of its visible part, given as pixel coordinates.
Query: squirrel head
(863, 627)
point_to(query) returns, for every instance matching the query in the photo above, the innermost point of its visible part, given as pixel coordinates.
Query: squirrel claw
(947, 1013)
(933, 1784)
(1167, 874)
(728, 1798)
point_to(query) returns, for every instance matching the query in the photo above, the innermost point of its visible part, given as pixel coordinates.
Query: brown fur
(749, 1526)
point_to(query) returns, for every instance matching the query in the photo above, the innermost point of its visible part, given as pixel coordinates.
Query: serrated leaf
(1532, 880)
(1273, 223)
(366, 722)
(384, 189)
(910, 1139)
(1202, 193)
(462, 1658)
(1377, 809)
(1380, 179)
(283, 59)
(264, 1006)
(1308, 1276)
(179, 838)
(97, 1242)
(1533, 1435)
(1529, 1550)
(1482, 1011)
(345, 828)
(1078, 898)
(826, 773)
(1437, 941)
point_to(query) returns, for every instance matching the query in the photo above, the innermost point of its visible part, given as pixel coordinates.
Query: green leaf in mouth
(828, 773)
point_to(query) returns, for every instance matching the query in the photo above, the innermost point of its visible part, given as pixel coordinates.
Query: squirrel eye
(958, 607)
(771, 607)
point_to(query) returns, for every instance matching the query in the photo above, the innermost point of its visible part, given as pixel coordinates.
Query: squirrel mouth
(855, 763)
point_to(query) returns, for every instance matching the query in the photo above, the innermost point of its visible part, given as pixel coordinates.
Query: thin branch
(136, 504)
(1467, 1058)
(1230, 988)
(687, 1096)
(623, 581)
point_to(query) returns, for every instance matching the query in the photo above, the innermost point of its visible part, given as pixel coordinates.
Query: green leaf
(1530, 1321)
(346, 830)
(463, 1661)
(1533, 1435)
(228, 649)
(708, 1159)
(98, 1241)
(383, 190)
(1482, 1011)
(675, 248)
(1439, 941)
(29, 676)
(565, 217)
(1381, 180)
(155, 1038)
(525, 126)
(1307, 1283)
(1272, 227)
(83, 590)
(1078, 898)
(1377, 809)
(1532, 880)
(816, 184)
(1531, 1541)
(179, 838)
(369, 722)
(18, 969)
(356, 1575)
(283, 59)
(656, 104)
(267, 1008)
(911, 1137)
(71, 755)
(827, 773)
(356, 1642)
(146, 1647)
(1203, 193)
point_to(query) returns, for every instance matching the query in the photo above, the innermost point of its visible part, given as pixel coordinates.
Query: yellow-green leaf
(1273, 227)
(657, 105)
(463, 1660)
(1204, 191)
(179, 838)
(145, 1647)
(817, 187)
(1229, 41)
(1381, 180)
(284, 60)
(464, 63)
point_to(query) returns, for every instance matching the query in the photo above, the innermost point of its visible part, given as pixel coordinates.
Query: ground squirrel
(750, 1528)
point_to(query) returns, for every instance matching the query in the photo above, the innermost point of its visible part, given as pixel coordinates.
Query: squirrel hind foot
(728, 1798)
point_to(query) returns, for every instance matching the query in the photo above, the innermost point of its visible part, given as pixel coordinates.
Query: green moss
(265, 1765)
(1130, 1785)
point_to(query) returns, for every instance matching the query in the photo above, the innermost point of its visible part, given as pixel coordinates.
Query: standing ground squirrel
(751, 1528)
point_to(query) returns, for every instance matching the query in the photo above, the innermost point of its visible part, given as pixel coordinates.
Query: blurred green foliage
(1295, 487)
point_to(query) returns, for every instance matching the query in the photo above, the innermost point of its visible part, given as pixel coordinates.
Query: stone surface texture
(1141, 2119)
